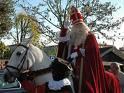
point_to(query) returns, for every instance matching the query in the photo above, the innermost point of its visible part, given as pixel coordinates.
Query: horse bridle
(34, 73)
(20, 65)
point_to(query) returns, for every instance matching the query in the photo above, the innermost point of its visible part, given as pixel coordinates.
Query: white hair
(78, 33)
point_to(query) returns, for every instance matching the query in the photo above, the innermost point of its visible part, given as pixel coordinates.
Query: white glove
(74, 55)
(82, 50)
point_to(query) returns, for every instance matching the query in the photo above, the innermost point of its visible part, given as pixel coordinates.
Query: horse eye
(18, 53)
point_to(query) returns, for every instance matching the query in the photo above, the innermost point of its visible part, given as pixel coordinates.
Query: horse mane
(41, 62)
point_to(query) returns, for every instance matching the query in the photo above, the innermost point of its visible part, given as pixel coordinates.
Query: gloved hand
(74, 55)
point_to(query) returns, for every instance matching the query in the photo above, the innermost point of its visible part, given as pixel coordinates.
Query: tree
(98, 16)
(25, 26)
(6, 13)
(4, 50)
(50, 50)
(60, 14)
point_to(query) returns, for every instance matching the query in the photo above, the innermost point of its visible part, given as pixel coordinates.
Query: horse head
(24, 58)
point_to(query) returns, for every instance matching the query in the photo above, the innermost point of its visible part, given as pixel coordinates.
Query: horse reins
(30, 73)
(21, 62)
(39, 72)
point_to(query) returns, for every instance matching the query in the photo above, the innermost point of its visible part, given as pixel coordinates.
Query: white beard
(78, 34)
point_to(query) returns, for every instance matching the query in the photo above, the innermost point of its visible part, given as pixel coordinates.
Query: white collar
(57, 85)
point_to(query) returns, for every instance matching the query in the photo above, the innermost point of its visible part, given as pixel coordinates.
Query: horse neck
(41, 59)
(41, 62)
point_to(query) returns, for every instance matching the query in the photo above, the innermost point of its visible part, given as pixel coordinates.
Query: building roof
(112, 54)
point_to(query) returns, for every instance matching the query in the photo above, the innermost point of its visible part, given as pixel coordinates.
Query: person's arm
(63, 43)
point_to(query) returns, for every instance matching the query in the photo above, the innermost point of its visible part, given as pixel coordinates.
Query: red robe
(28, 86)
(113, 83)
(31, 88)
(93, 80)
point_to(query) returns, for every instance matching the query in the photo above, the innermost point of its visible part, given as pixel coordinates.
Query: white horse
(28, 57)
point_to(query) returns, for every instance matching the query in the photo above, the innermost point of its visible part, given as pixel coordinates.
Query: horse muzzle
(9, 77)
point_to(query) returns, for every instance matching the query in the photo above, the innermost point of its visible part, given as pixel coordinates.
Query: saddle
(60, 69)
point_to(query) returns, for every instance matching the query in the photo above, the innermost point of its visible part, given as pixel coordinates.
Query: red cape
(93, 80)
(93, 70)
(113, 83)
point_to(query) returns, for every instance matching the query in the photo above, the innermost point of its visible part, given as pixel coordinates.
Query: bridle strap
(23, 46)
(24, 57)
(8, 66)
(21, 62)
(31, 73)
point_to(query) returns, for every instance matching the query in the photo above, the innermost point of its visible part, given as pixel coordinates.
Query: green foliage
(51, 50)
(6, 13)
(35, 31)
(4, 51)
(99, 16)
(54, 8)
(25, 26)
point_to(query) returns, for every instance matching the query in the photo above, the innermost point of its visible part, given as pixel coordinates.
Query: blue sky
(117, 3)
(118, 14)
